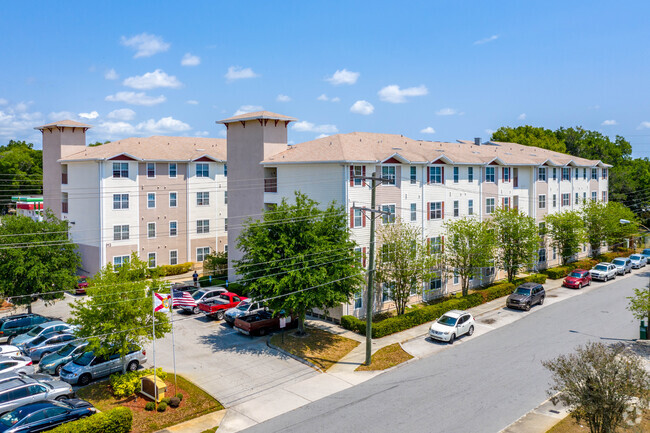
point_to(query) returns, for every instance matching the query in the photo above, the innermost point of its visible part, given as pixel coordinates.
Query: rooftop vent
(397, 148)
(477, 141)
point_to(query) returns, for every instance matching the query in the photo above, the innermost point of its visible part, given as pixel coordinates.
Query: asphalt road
(482, 385)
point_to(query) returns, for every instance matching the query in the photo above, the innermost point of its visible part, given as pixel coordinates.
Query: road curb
(291, 355)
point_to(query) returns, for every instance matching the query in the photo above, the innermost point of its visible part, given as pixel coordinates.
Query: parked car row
(606, 271)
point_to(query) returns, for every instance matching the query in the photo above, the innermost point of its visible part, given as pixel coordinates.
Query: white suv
(603, 271)
(452, 325)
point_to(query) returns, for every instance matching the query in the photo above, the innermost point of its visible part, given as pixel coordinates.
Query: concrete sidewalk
(197, 425)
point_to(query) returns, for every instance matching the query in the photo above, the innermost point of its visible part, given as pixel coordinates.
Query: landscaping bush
(162, 407)
(181, 268)
(125, 385)
(585, 264)
(118, 420)
(166, 400)
(558, 272)
(179, 396)
(534, 278)
(608, 257)
(496, 291)
(150, 406)
(174, 402)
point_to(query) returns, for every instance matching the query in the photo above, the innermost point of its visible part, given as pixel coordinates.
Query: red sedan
(82, 284)
(577, 279)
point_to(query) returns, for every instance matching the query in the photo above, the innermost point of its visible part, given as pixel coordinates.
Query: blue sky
(436, 70)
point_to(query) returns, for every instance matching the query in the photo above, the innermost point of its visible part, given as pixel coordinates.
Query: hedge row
(118, 420)
(167, 270)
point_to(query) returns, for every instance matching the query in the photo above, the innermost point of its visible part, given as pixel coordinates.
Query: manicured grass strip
(319, 347)
(386, 357)
(568, 425)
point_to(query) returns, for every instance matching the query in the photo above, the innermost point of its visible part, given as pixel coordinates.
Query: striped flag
(182, 299)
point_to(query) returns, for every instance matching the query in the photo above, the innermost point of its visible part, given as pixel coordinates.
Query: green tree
(530, 136)
(622, 224)
(36, 257)
(518, 239)
(98, 143)
(470, 247)
(403, 263)
(594, 145)
(21, 171)
(595, 222)
(566, 230)
(601, 385)
(216, 263)
(300, 257)
(118, 311)
(640, 304)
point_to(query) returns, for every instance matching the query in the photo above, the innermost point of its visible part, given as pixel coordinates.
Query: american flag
(182, 299)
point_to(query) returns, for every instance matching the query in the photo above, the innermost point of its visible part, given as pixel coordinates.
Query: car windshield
(522, 291)
(10, 418)
(81, 280)
(646, 251)
(243, 306)
(447, 320)
(35, 331)
(619, 262)
(66, 350)
(600, 268)
(84, 359)
(635, 257)
(198, 295)
(576, 274)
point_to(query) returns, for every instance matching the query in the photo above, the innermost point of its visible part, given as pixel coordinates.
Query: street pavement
(483, 384)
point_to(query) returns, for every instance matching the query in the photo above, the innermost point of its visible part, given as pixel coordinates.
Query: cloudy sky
(436, 70)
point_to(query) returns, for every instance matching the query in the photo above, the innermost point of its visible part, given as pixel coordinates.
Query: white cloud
(145, 45)
(192, 102)
(111, 74)
(305, 126)
(152, 80)
(3, 101)
(90, 116)
(395, 95)
(115, 129)
(19, 125)
(322, 136)
(62, 115)
(239, 73)
(190, 60)
(248, 109)
(362, 107)
(522, 116)
(490, 131)
(428, 130)
(136, 98)
(609, 122)
(343, 77)
(335, 99)
(643, 125)
(283, 98)
(122, 114)
(486, 40)
(324, 97)
(166, 124)
(447, 112)
(22, 106)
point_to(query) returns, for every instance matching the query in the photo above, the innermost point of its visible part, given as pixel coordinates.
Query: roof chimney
(477, 141)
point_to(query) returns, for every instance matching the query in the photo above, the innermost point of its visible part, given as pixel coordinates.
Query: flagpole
(171, 316)
(153, 314)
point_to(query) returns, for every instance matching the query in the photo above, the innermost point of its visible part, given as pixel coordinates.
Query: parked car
(638, 261)
(217, 306)
(20, 390)
(87, 366)
(9, 350)
(577, 279)
(646, 253)
(82, 285)
(623, 265)
(17, 324)
(262, 322)
(526, 296)
(185, 287)
(44, 415)
(16, 364)
(244, 308)
(452, 325)
(42, 329)
(53, 362)
(202, 295)
(46, 344)
(603, 271)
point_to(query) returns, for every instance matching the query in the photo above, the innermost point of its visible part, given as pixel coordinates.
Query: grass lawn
(196, 402)
(318, 347)
(568, 425)
(386, 357)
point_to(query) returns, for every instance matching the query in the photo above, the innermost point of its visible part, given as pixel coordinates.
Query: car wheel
(579, 286)
(219, 315)
(452, 338)
(43, 356)
(195, 310)
(471, 330)
(57, 370)
(606, 278)
(541, 301)
(84, 379)
(10, 340)
(61, 398)
(527, 307)
(133, 366)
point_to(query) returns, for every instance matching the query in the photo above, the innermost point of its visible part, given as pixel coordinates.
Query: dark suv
(526, 295)
(11, 326)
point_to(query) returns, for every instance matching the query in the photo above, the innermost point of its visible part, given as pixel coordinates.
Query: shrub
(179, 396)
(166, 400)
(584, 264)
(118, 420)
(174, 402)
(534, 278)
(608, 257)
(125, 385)
(162, 407)
(558, 272)
(150, 406)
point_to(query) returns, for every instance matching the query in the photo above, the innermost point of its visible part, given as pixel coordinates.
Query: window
(151, 200)
(64, 174)
(541, 174)
(173, 228)
(470, 174)
(470, 207)
(541, 254)
(554, 200)
(358, 299)
(577, 173)
(120, 233)
(456, 174)
(566, 199)
(120, 169)
(201, 253)
(584, 197)
(456, 277)
(151, 170)
(489, 205)
(594, 196)
(151, 230)
(605, 196)
(202, 170)
(435, 175)
(388, 174)
(151, 260)
(594, 173)
(202, 198)
(577, 198)
(489, 174)
(414, 211)
(414, 175)
(173, 202)
(456, 208)
(506, 174)
(357, 170)
(388, 219)
(604, 173)
(358, 218)
(584, 173)
(120, 201)
(554, 253)
(225, 170)
(173, 257)
(554, 173)
(225, 197)
(358, 252)
(386, 291)
(435, 210)
(435, 244)
(541, 228)
(435, 284)
(172, 169)
(118, 261)
(225, 224)
(64, 202)
(541, 199)
(202, 226)
(566, 173)
(505, 201)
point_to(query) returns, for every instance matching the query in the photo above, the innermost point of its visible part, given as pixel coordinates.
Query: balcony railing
(271, 185)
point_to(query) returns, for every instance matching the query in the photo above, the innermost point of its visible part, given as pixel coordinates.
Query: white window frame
(594, 174)
(594, 195)
(202, 253)
(414, 212)
(175, 201)
(435, 210)
(490, 175)
(470, 207)
(149, 225)
(173, 233)
(435, 175)
(155, 260)
(357, 170)
(506, 174)
(121, 168)
(541, 174)
(169, 169)
(118, 232)
(554, 201)
(358, 218)
(121, 201)
(456, 208)
(389, 178)
(200, 169)
(413, 174)
(577, 198)
(203, 198)
(149, 195)
(456, 174)
(490, 205)
(202, 226)
(150, 164)
(605, 196)
(470, 174)
(541, 201)
(566, 199)
(121, 259)
(225, 197)
(173, 260)
(541, 253)
(388, 219)
(566, 173)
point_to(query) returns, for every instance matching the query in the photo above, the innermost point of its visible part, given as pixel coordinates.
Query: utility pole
(371, 262)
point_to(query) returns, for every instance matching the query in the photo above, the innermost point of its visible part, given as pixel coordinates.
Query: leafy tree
(640, 304)
(216, 263)
(98, 143)
(594, 145)
(300, 257)
(617, 232)
(595, 222)
(566, 230)
(21, 171)
(601, 385)
(118, 311)
(404, 262)
(470, 247)
(36, 257)
(530, 136)
(518, 239)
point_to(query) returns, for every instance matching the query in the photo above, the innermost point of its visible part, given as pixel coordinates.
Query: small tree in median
(640, 304)
(517, 238)
(566, 230)
(600, 384)
(469, 248)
